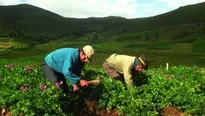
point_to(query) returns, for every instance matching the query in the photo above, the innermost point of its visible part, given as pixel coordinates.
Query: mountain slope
(31, 21)
(190, 14)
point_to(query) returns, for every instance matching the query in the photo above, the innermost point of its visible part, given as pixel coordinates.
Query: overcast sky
(102, 8)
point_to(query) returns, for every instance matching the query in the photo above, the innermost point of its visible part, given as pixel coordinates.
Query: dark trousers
(113, 73)
(54, 77)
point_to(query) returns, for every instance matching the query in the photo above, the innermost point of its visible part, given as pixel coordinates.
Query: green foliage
(180, 86)
(24, 90)
(21, 91)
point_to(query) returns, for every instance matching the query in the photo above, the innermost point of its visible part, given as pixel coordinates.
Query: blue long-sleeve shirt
(67, 62)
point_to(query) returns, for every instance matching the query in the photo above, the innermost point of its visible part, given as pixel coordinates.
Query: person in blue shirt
(67, 64)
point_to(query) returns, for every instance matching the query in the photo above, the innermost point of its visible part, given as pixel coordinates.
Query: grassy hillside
(159, 53)
(31, 22)
(9, 43)
(191, 15)
(168, 37)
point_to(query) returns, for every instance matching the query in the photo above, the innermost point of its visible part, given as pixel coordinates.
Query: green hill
(191, 15)
(31, 22)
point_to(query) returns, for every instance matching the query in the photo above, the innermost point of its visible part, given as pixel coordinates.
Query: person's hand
(75, 87)
(83, 83)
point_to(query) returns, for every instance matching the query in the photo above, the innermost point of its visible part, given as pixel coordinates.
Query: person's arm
(68, 73)
(127, 74)
(73, 78)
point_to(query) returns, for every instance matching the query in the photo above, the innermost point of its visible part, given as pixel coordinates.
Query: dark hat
(144, 61)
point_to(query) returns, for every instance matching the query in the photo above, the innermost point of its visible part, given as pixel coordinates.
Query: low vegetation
(25, 91)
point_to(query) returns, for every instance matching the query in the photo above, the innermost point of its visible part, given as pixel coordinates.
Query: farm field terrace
(179, 90)
(159, 53)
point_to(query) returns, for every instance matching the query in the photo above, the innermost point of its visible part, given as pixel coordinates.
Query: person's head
(142, 63)
(86, 53)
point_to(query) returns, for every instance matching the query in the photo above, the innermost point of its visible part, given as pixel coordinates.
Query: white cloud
(103, 8)
(150, 12)
(178, 3)
(89, 8)
(9, 2)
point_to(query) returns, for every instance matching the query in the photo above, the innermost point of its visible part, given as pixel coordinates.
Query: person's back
(118, 62)
(59, 58)
(67, 64)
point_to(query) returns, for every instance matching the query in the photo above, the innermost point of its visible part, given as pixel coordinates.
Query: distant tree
(157, 36)
(105, 37)
(105, 28)
(146, 37)
(94, 36)
(138, 37)
(119, 39)
(88, 38)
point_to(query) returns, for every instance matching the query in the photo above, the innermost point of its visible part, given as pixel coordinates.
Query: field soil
(4, 111)
(171, 111)
(91, 108)
(4, 44)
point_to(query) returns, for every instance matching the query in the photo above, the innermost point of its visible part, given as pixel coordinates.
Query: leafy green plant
(24, 90)
(180, 86)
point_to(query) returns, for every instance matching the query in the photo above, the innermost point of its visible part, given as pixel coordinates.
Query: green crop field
(25, 91)
(9, 43)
